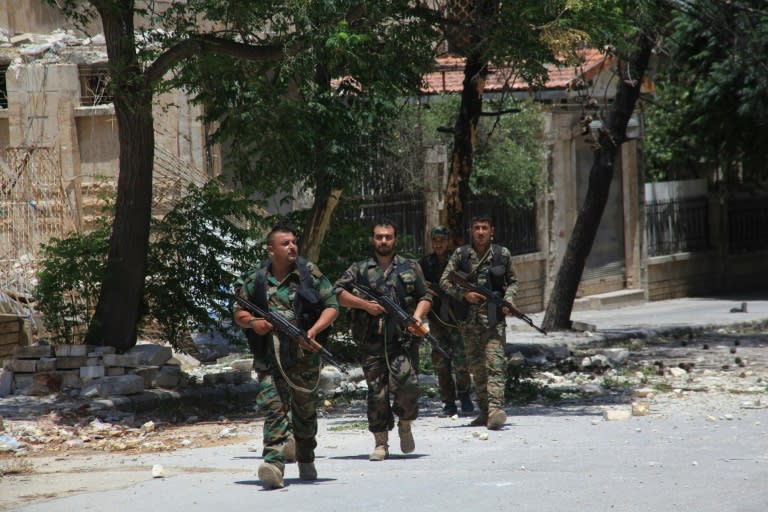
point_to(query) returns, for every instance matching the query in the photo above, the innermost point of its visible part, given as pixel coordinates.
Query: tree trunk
(464, 137)
(610, 138)
(119, 307)
(319, 220)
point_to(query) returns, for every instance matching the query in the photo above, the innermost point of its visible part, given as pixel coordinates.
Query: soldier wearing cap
(453, 376)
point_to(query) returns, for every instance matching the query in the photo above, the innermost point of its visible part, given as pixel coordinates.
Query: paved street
(695, 451)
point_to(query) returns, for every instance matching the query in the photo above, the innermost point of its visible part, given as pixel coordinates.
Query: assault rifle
(286, 328)
(400, 315)
(461, 281)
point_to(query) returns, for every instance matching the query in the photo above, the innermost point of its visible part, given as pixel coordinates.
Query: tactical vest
(363, 324)
(307, 305)
(497, 276)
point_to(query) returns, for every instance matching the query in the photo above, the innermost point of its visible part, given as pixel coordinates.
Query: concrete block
(128, 360)
(22, 380)
(22, 365)
(151, 355)
(46, 364)
(98, 351)
(71, 379)
(93, 361)
(92, 372)
(148, 374)
(72, 350)
(166, 380)
(120, 385)
(70, 363)
(113, 371)
(33, 351)
(6, 382)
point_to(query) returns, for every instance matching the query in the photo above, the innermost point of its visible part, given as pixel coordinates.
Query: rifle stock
(402, 316)
(461, 281)
(286, 328)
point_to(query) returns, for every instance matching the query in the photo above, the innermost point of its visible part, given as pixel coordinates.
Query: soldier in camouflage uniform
(443, 325)
(385, 345)
(482, 329)
(297, 290)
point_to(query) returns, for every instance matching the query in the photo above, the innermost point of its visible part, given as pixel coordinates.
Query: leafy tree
(258, 32)
(712, 107)
(633, 65)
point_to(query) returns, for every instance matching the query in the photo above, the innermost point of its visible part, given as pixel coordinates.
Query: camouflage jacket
(403, 281)
(496, 272)
(281, 295)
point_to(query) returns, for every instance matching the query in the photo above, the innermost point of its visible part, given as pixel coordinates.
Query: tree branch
(206, 44)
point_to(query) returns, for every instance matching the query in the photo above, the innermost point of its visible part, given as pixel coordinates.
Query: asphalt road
(694, 452)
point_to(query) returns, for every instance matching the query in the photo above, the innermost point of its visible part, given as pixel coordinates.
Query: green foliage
(510, 155)
(196, 253)
(69, 282)
(712, 105)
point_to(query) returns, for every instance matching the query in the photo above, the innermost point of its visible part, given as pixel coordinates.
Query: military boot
(496, 419)
(467, 407)
(480, 421)
(448, 410)
(381, 451)
(307, 471)
(407, 444)
(289, 450)
(270, 475)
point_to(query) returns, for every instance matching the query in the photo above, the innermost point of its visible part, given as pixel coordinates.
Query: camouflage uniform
(443, 325)
(483, 338)
(385, 346)
(285, 408)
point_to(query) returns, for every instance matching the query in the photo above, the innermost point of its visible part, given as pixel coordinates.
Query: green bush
(69, 282)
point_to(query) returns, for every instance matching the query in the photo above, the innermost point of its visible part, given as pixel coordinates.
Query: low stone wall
(94, 371)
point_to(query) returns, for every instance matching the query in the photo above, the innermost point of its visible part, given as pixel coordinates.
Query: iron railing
(677, 225)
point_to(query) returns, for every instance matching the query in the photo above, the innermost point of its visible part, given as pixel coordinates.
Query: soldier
(385, 345)
(296, 289)
(482, 329)
(443, 325)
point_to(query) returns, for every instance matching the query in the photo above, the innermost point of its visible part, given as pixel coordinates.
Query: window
(94, 86)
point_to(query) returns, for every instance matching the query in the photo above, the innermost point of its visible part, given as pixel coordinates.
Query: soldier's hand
(260, 326)
(474, 297)
(373, 308)
(309, 343)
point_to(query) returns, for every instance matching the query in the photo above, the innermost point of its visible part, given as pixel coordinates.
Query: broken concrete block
(120, 385)
(151, 355)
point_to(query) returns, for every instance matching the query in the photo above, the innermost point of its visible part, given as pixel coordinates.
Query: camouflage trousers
(452, 371)
(485, 354)
(392, 375)
(287, 410)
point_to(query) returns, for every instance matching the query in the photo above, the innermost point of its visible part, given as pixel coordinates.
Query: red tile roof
(450, 74)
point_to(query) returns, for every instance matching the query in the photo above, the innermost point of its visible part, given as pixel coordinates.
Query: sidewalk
(650, 319)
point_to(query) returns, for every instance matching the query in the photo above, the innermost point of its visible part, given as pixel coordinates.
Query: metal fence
(677, 225)
(747, 224)
(515, 228)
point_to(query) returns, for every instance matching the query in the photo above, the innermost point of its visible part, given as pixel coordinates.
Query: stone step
(610, 300)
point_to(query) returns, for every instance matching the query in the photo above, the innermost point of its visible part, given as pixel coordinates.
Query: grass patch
(16, 467)
(355, 425)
